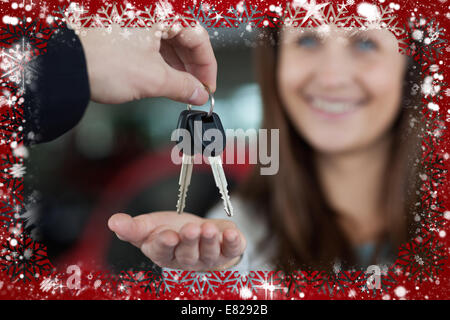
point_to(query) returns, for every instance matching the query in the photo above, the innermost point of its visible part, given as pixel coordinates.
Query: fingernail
(198, 96)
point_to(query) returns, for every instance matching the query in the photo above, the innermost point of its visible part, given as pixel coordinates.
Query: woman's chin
(333, 146)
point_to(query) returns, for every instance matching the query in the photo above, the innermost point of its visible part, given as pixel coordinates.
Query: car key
(186, 163)
(197, 123)
(205, 122)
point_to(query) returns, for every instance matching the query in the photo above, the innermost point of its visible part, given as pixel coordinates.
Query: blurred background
(117, 159)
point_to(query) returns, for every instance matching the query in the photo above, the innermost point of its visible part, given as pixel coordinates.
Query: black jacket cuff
(55, 102)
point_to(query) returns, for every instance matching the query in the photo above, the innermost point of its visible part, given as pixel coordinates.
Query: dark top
(56, 101)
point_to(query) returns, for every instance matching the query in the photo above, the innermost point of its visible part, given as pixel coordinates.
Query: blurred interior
(118, 160)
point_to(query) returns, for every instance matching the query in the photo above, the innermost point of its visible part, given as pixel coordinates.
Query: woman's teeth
(333, 107)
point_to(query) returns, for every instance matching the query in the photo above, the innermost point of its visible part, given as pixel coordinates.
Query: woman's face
(341, 89)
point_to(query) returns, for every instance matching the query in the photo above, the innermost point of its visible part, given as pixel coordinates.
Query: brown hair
(293, 202)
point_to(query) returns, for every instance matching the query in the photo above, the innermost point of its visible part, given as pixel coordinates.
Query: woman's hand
(126, 64)
(182, 241)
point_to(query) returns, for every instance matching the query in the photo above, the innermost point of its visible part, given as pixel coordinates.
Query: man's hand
(182, 241)
(126, 64)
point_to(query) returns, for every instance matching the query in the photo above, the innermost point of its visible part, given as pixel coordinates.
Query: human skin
(172, 63)
(130, 64)
(182, 241)
(335, 72)
(322, 72)
(361, 70)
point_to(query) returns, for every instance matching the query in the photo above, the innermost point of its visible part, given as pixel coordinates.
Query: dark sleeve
(55, 101)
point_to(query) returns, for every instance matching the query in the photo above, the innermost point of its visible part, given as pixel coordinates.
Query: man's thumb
(184, 87)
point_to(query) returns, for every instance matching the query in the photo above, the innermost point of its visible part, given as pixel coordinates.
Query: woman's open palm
(182, 241)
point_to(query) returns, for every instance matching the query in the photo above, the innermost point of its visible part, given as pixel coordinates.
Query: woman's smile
(330, 107)
(340, 95)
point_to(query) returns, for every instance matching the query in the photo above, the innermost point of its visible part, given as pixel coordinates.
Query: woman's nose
(335, 68)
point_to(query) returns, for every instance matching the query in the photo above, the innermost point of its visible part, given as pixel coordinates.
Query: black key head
(197, 123)
(207, 132)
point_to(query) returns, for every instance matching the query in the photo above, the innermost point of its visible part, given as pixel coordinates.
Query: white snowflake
(352, 293)
(74, 15)
(313, 10)
(205, 6)
(49, 284)
(447, 92)
(342, 6)
(20, 152)
(245, 293)
(268, 286)
(7, 99)
(201, 283)
(163, 9)
(240, 6)
(433, 34)
(433, 106)
(369, 11)
(400, 291)
(428, 88)
(17, 170)
(43, 11)
(418, 260)
(16, 64)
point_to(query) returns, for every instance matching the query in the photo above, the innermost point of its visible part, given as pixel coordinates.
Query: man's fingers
(232, 244)
(160, 247)
(209, 244)
(183, 87)
(134, 230)
(173, 30)
(170, 56)
(186, 252)
(187, 63)
(193, 47)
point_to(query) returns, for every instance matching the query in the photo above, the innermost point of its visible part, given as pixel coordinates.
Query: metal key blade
(185, 180)
(221, 183)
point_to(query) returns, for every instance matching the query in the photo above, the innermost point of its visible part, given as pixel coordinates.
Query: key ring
(211, 97)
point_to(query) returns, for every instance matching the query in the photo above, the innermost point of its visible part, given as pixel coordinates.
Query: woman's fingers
(139, 228)
(160, 248)
(232, 244)
(134, 230)
(187, 251)
(209, 244)
(181, 241)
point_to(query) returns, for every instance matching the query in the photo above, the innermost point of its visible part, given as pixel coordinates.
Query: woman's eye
(365, 45)
(308, 41)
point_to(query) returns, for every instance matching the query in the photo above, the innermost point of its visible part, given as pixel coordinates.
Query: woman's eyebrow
(314, 32)
(356, 33)
(374, 34)
(295, 33)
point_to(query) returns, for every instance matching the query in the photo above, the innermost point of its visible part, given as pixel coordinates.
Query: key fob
(200, 120)
(183, 124)
(197, 123)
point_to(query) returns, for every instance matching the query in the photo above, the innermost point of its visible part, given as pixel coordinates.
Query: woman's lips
(334, 107)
